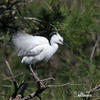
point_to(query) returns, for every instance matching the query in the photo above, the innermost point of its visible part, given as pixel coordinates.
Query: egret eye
(60, 40)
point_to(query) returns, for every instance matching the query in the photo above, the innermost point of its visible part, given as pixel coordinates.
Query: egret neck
(54, 46)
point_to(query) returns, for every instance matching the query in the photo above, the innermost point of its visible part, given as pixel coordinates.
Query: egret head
(56, 38)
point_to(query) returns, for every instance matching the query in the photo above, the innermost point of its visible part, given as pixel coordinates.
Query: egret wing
(32, 52)
(24, 42)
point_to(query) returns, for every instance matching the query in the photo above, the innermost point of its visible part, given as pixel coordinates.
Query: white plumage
(36, 48)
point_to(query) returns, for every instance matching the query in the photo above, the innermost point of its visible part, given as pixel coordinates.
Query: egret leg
(35, 76)
(33, 72)
(34, 68)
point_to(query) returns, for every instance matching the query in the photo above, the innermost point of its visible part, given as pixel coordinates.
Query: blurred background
(78, 21)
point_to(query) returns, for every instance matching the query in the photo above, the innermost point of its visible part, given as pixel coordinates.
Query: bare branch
(40, 90)
(31, 19)
(95, 89)
(7, 86)
(94, 48)
(16, 76)
(13, 79)
(10, 71)
(50, 78)
(34, 94)
(89, 94)
(16, 86)
(61, 85)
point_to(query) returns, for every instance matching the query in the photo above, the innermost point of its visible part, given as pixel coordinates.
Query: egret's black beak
(66, 45)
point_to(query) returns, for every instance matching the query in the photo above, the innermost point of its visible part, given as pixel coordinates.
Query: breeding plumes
(36, 48)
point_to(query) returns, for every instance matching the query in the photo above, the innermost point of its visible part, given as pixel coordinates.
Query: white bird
(36, 48)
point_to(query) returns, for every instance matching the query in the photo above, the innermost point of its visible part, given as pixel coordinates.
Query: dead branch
(7, 86)
(12, 78)
(94, 48)
(34, 94)
(89, 94)
(61, 85)
(35, 20)
(95, 89)
(16, 86)
(40, 86)
(26, 2)
(15, 76)
(40, 90)
(10, 71)
(47, 79)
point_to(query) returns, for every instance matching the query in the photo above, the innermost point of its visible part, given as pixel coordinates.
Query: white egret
(36, 48)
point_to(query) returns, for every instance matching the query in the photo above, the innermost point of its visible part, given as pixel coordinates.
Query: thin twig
(30, 18)
(94, 48)
(10, 71)
(61, 85)
(50, 78)
(13, 79)
(7, 86)
(39, 91)
(89, 94)
(9, 78)
(96, 88)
